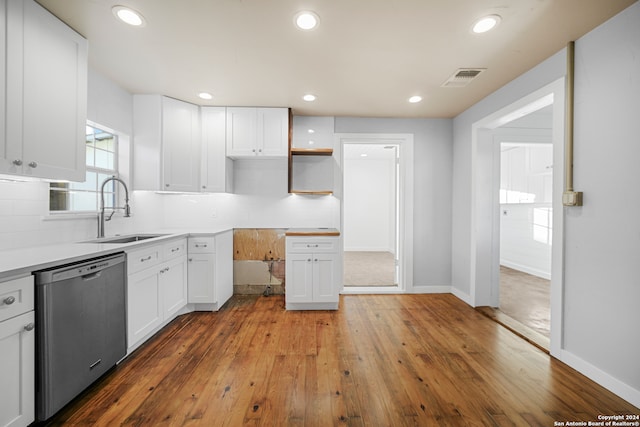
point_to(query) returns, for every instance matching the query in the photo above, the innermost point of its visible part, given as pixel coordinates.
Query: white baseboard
(424, 289)
(367, 249)
(526, 269)
(612, 384)
(461, 295)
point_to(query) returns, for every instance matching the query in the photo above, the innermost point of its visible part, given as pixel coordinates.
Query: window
(101, 157)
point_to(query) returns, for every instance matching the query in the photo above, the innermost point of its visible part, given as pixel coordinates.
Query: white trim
(614, 385)
(480, 289)
(405, 141)
(461, 295)
(526, 269)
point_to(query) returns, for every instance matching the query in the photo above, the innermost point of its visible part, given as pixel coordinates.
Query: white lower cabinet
(173, 285)
(313, 270)
(156, 288)
(17, 352)
(210, 270)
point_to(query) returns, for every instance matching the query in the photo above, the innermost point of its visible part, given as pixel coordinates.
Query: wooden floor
(381, 360)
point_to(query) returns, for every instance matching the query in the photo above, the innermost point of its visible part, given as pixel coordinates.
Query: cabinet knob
(204, 187)
(308, 259)
(17, 162)
(190, 259)
(29, 327)
(33, 165)
(316, 260)
(166, 185)
(9, 300)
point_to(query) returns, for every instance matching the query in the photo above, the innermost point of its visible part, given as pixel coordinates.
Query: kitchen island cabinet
(257, 132)
(17, 352)
(44, 88)
(313, 272)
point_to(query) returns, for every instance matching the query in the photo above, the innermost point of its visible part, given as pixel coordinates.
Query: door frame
(485, 235)
(405, 217)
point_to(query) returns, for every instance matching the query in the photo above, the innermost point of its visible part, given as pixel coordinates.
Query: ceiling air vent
(463, 77)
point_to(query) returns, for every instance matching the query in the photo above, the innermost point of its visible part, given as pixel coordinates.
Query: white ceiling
(366, 58)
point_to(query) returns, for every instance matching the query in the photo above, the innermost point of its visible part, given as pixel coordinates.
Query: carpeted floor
(369, 269)
(525, 298)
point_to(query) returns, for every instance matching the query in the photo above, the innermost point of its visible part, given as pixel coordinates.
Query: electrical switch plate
(572, 198)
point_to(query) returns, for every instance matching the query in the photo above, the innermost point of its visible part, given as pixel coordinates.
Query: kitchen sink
(126, 239)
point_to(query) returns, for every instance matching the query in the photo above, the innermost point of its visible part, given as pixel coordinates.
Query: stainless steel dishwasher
(80, 328)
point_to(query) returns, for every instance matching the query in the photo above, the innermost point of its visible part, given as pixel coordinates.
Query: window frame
(100, 173)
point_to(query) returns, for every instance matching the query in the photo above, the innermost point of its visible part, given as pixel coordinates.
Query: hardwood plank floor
(381, 360)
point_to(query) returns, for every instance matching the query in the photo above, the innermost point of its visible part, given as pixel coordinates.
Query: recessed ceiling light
(310, 131)
(128, 16)
(363, 155)
(415, 99)
(309, 98)
(306, 20)
(205, 95)
(485, 24)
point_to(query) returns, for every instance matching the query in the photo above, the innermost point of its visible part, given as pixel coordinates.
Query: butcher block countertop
(312, 232)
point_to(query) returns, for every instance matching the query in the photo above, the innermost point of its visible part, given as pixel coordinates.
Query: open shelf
(311, 151)
(311, 169)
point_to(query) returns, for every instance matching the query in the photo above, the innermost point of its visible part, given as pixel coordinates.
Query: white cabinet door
(144, 310)
(299, 278)
(273, 132)
(180, 145)
(173, 284)
(325, 277)
(216, 174)
(201, 278)
(257, 132)
(166, 144)
(46, 95)
(241, 132)
(17, 358)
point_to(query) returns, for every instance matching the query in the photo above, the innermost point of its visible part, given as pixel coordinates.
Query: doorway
(526, 228)
(485, 207)
(386, 225)
(371, 206)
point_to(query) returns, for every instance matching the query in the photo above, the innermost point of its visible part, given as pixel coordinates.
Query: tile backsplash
(25, 219)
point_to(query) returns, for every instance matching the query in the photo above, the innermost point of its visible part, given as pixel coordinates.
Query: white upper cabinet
(180, 145)
(216, 169)
(45, 94)
(253, 132)
(166, 144)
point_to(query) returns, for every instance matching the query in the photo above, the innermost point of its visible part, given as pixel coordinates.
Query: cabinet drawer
(16, 297)
(202, 245)
(143, 258)
(314, 244)
(174, 249)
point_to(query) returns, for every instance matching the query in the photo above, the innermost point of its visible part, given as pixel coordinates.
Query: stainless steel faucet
(127, 209)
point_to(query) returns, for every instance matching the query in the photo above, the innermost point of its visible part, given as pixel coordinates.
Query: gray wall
(602, 238)
(432, 190)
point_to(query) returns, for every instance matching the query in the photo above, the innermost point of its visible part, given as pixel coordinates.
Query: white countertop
(23, 261)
